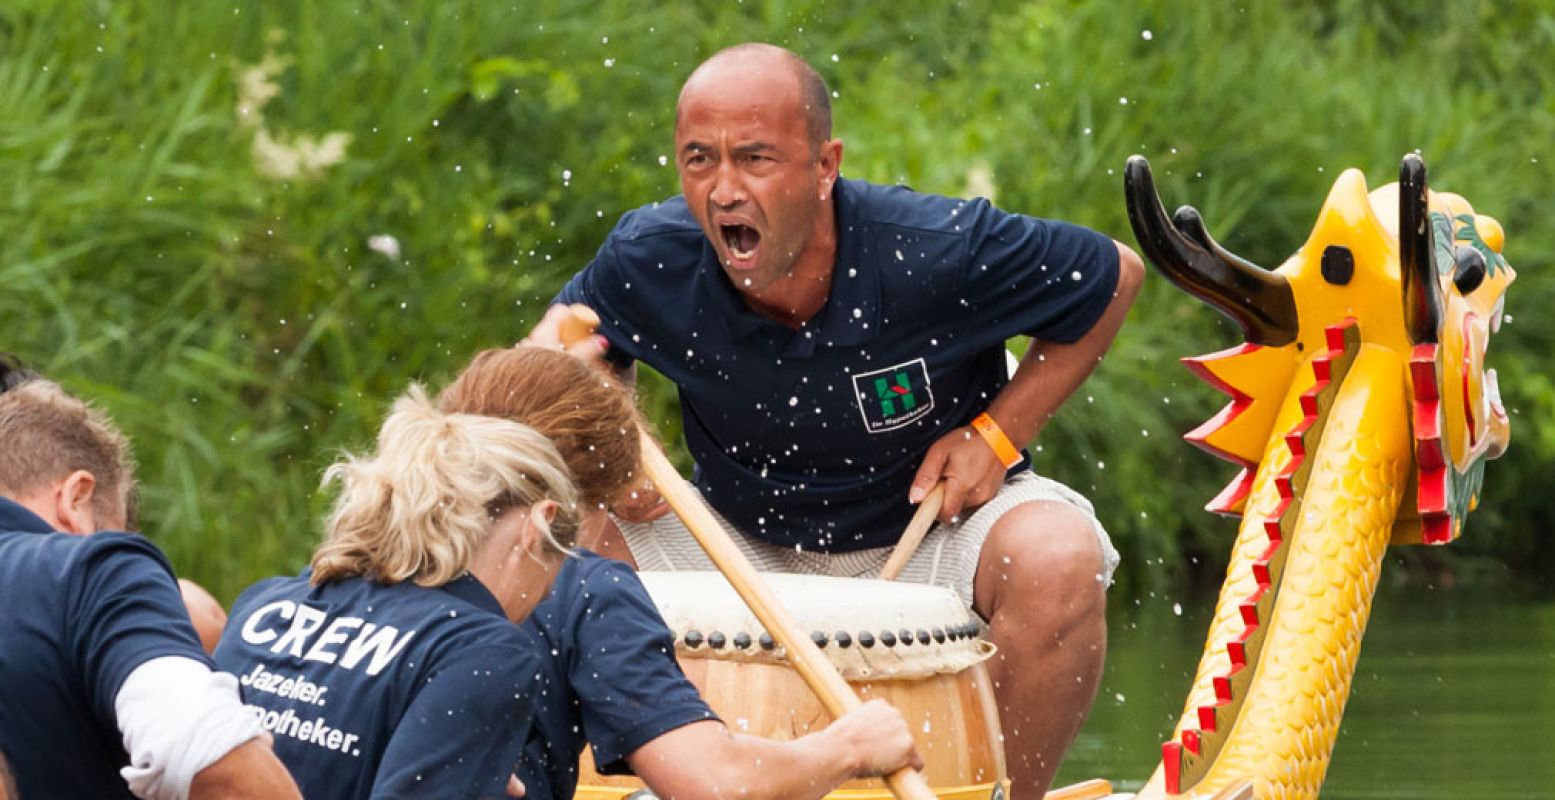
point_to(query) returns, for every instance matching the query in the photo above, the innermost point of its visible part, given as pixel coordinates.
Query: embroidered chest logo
(895, 396)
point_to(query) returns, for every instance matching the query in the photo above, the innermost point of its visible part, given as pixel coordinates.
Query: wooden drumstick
(922, 520)
(813, 666)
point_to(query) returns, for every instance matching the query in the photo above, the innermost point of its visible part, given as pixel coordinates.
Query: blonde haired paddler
(392, 665)
(612, 679)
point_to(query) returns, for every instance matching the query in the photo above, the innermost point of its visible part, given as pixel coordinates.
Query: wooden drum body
(917, 647)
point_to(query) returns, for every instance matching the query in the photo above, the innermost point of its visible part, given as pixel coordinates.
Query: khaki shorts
(947, 557)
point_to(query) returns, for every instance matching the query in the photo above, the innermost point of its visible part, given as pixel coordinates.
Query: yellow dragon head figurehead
(1419, 272)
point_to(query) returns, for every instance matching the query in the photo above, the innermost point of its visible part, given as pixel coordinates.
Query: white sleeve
(178, 717)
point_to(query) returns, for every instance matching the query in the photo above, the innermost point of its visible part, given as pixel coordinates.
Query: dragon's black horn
(1417, 254)
(1260, 302)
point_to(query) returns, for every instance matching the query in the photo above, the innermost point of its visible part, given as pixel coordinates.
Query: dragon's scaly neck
(1336, 424)
(1299, 586)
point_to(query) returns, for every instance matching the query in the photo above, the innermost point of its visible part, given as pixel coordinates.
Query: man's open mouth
(741, 240)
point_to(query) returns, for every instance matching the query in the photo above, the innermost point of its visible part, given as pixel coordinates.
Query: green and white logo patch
(895, 396)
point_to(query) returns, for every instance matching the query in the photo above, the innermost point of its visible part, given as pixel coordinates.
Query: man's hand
(971, 471)
(876, 737)
(548, 333)
(641, 503)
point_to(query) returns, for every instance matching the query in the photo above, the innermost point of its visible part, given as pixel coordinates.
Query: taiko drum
(917, 647)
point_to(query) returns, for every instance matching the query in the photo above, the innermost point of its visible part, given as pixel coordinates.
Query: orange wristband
(994, 436)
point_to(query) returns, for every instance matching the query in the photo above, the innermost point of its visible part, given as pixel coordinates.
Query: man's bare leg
(1038, 585)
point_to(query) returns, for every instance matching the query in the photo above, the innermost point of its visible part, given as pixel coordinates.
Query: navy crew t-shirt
(78, 614)
(611, 678)
(384, 691)
(811, 437)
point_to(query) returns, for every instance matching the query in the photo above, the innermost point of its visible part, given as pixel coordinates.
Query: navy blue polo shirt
(811, 437)
(611, 679)
(384, 691)
(78, 614)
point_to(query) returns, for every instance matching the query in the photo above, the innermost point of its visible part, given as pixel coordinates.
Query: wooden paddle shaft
(808, 660)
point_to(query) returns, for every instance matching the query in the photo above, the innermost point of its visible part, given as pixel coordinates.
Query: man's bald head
(731, 62)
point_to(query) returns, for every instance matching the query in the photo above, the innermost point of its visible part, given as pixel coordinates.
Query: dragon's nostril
(1338, 265)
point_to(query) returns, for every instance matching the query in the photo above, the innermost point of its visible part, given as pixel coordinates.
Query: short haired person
(104, 688)
(205, 611)
(839, 349)
(612, 679)
(392, 666)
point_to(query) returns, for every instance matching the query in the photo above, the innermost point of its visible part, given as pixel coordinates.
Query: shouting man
(839, 351)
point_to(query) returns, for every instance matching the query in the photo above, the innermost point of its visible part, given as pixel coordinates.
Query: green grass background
(242, 333)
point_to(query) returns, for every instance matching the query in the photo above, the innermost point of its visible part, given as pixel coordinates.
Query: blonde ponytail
(420, 507)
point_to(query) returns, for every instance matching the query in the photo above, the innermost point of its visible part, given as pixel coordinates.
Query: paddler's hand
(971, 471)
(876, 739)
(641, 503)
(548, 333)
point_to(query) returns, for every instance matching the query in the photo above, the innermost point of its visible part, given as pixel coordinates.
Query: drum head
(870, 629)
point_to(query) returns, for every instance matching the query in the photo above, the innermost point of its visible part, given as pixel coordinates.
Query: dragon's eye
(1469, 272)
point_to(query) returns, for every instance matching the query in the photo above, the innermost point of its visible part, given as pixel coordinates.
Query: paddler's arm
(248, 770)
(1047, 375)
(707, 760)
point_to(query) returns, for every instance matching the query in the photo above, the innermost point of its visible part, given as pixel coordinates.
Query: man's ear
(73, 503)
(829, 164)
(538, 529)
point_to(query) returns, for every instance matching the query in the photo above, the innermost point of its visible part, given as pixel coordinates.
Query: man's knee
(1045, 554)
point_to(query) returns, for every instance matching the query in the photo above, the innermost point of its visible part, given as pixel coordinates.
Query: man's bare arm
(1048, 374)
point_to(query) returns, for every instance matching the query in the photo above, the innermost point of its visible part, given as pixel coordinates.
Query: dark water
(1454, 697)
